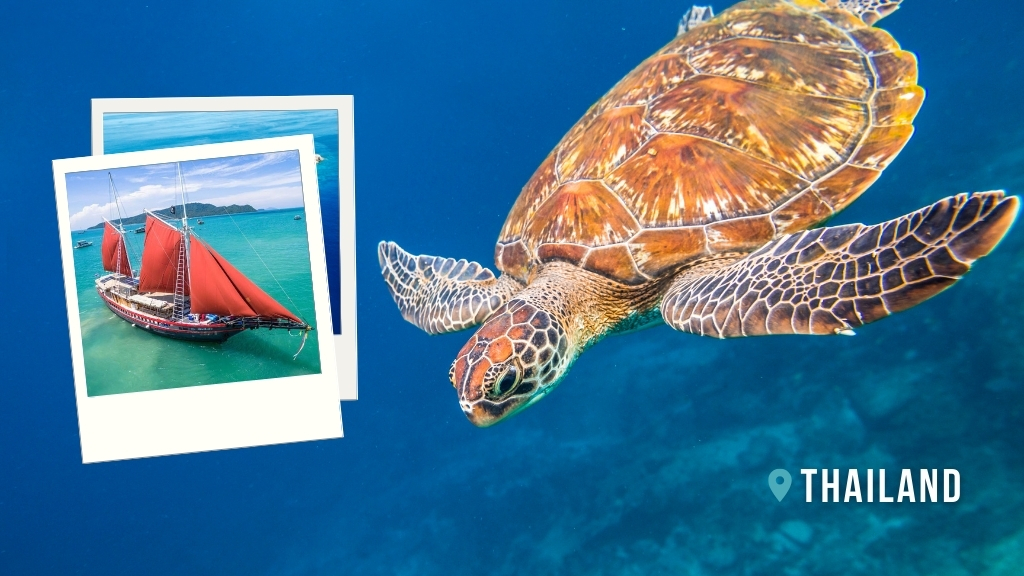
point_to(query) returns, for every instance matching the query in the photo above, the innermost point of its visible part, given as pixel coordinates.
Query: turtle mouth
(485, 413)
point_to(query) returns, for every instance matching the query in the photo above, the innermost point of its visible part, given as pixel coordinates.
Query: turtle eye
(505, 383)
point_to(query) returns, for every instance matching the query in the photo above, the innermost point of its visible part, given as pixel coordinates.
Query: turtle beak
(479, 416)
(484, 414)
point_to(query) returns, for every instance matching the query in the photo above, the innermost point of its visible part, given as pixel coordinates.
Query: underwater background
(652, 456)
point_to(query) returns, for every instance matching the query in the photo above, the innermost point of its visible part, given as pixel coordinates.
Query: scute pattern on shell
(764, 121)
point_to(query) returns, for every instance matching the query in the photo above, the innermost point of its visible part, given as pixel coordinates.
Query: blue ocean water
(652, 456)
(127, 132)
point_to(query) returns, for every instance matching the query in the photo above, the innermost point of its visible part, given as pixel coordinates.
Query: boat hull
(168, 328)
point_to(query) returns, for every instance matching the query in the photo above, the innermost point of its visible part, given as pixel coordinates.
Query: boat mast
(184, 221)
(183, 256)
(120, 222)
(184, 210)
(117, 202)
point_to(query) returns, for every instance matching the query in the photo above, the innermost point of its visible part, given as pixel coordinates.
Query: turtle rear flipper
(442, 294)
(870, 11)
(694, 17)
(831, 280)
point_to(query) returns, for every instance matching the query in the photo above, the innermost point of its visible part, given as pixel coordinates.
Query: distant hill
(195, 210)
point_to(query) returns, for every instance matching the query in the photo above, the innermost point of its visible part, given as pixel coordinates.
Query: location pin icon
(780, 481)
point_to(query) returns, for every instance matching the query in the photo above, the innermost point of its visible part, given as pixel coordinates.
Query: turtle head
(519, 355)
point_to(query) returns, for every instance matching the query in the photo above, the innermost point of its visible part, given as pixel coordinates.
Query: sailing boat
(185, 289)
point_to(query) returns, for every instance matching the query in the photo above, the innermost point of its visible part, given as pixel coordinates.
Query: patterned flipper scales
(870, 11)
(831, 280)
(442, 294)
(694, 17)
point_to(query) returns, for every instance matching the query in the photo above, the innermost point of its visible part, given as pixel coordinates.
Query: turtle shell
(765, 120)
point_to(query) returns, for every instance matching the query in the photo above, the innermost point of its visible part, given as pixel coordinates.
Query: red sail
(115, 255)
(160, 257)
(219, 288)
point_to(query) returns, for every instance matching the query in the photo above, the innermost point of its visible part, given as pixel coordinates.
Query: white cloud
(237, 180)
(89, 215)
(146, 196)
(234, 166)
(269, 180)
(280, 197)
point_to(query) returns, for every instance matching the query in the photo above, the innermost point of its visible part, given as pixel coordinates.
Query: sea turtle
(688, 194)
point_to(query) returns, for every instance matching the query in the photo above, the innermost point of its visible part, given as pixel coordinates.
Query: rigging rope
(120, 217)
(285, 292)
(305, 334)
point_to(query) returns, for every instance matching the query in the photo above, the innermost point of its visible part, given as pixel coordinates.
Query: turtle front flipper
(831, 280)
(442, 294)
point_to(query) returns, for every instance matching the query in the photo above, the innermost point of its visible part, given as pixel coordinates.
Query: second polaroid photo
(135, 124)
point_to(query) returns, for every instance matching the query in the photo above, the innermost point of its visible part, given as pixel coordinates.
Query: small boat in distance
(185, 289)
(140, 230)
(297, 217)
(83, 244)
(200, 221)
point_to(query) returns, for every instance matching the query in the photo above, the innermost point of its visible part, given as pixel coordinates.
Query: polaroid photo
(135, 124)
(197, 296)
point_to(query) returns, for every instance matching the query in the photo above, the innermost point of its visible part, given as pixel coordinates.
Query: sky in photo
(264, 181)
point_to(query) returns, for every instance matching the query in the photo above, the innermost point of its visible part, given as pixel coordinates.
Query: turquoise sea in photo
(120, 357)
(128, 132)
(651, 458)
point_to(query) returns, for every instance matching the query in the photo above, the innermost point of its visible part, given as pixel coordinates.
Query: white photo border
(215, 416)
(346, 342)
